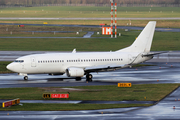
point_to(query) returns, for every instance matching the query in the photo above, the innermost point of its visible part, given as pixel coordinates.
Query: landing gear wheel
(25, 77)
(89, 77)
(78, 78)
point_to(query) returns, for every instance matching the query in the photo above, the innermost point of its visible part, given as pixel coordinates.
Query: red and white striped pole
(111, 18)
(115, 20)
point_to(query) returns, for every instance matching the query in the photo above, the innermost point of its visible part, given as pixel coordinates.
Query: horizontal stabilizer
(154, 53)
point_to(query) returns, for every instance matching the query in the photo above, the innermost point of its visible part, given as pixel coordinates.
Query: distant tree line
(38, 2)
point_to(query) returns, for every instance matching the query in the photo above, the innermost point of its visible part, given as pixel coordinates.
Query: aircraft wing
(101, 68)
(153, 53)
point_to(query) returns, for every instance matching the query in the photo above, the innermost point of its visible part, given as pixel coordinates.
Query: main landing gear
(89, 77)
(25, 77)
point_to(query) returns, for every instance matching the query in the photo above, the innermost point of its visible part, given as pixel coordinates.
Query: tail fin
(143, 41)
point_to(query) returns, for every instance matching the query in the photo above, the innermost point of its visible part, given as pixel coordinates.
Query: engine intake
(75, 72)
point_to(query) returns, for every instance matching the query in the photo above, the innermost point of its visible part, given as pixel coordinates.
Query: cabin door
(33, 62)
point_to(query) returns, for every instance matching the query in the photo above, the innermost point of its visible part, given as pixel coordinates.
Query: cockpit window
(19, 61)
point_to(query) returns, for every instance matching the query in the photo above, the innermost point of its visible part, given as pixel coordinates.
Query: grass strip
(67, 107)
(88, 12)
(145, 92)
(3, 65)
(152, 92)
(163, 41)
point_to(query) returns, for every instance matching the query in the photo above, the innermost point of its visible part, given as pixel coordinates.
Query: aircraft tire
(25, 77)
(89, 77)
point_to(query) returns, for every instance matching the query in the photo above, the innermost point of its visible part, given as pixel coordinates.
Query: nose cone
(10, 67)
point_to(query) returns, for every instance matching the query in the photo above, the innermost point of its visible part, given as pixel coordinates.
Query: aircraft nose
(10, 67)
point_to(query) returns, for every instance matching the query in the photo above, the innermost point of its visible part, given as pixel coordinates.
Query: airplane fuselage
(59, 62)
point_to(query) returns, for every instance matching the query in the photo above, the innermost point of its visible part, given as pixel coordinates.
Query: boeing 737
(76, 65)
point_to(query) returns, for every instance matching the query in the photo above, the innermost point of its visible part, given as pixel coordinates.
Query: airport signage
(11, 102)
(59, 95)
(106, 30)
(124, 84)
(46, 95)
(55, 95)
(20, 25)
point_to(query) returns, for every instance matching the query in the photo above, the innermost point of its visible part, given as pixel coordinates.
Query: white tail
(143, 41)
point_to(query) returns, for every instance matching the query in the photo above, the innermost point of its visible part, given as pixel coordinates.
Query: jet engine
(75, 72)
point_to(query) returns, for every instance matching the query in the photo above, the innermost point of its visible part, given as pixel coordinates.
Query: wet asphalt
(165, 69)
(161, 72)
(166, 109)
(97, 26)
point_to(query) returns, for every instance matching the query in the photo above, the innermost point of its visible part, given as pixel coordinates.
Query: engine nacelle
(75, 72)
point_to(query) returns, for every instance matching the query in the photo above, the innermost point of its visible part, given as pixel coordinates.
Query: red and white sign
(6, 104)
(106, 30)
(11, 102)
(59, 95)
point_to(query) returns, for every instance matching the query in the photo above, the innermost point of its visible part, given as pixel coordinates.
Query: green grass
(163, 41)
(152, 92)
(67, 107)
(88, 11)
(3, 65)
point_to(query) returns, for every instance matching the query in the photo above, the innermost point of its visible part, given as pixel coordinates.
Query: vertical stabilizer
(143, 41)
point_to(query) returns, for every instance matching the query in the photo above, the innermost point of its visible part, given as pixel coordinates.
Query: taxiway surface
(159, 72)
(95, 26)
(166, 109)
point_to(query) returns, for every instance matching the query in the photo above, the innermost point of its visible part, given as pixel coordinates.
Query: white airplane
(79, 64)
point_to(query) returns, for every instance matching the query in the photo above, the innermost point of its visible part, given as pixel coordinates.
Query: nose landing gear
(25, 77)
(24, 74)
